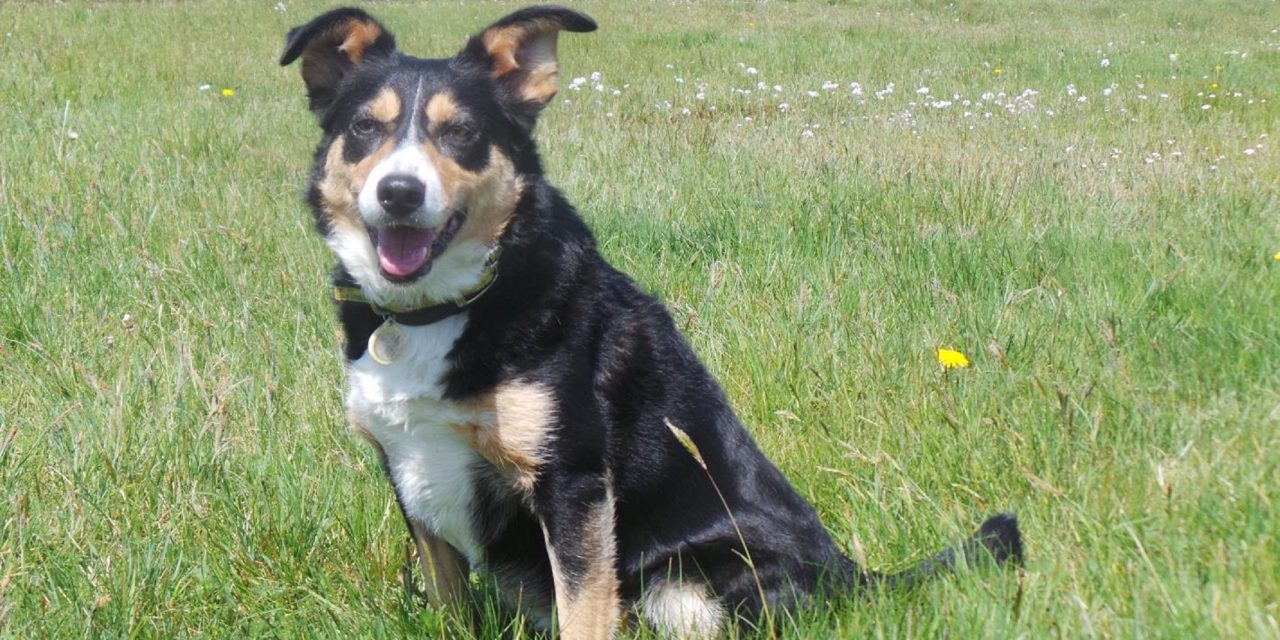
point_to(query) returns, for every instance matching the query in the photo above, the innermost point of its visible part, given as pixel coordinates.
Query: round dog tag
(386, 345)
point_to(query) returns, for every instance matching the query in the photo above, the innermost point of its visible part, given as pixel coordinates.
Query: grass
(173, 459)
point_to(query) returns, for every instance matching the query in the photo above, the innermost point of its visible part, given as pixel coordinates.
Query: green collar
(433, 311)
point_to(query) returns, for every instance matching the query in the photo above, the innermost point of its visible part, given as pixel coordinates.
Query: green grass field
(1084, 198)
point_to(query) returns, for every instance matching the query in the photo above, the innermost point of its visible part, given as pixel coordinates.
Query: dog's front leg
(443, 568)
(576, 512)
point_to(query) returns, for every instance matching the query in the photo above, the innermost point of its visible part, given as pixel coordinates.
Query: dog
(540, 418)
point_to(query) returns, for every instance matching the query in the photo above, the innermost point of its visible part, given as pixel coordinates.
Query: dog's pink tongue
(403, 250)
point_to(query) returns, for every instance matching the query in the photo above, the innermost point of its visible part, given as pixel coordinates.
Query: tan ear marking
(360, 35)
(502, 44)
(530, 48)
(327, 56)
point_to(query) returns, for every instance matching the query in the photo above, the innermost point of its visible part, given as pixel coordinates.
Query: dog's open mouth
(406, 253)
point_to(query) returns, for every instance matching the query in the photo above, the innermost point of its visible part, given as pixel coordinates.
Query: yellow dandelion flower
(999, 70)
(950, 359)
(228, 92)
(1276, 257)
(1213, 85)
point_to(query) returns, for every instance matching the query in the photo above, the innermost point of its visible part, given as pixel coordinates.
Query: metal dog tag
(386, 345)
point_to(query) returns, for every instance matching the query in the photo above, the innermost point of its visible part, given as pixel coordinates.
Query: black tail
(997, 539)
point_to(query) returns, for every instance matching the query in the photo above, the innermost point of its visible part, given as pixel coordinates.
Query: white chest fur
(401, 406)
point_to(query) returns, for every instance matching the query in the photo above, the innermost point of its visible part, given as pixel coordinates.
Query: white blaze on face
(408, 159)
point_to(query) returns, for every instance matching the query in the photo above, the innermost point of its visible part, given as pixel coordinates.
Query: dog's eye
(458, 134)
(365, 126)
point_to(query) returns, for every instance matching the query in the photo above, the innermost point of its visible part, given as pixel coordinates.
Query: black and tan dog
(534, 410)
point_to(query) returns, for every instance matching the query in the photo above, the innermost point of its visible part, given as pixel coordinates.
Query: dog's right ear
(330, 46)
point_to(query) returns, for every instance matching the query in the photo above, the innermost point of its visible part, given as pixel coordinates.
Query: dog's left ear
(330, 46)
(519, 52)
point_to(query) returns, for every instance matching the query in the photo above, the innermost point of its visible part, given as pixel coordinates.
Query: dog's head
(423, 161)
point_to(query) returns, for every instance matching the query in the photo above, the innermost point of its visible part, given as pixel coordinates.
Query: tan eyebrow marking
(441, 108)
(385, 107)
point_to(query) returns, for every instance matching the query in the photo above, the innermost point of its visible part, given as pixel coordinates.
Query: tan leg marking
(359, 429)
(589, 608)
(512, 428)
(443, 568)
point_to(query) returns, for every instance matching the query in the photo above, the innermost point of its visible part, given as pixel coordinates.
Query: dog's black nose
(401, 195)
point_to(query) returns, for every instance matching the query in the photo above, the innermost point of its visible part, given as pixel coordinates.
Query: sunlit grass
(172, 449)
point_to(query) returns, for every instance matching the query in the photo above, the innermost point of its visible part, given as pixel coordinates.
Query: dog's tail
(998, 540)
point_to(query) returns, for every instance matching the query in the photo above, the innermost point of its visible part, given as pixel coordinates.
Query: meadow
(1082, 198)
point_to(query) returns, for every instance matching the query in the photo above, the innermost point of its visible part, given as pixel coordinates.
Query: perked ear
(520, 53)
(330, 46)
